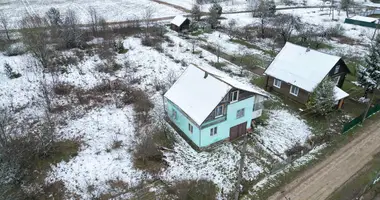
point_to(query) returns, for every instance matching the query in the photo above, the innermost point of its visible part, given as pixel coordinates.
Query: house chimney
(307, 49)
(206, 74)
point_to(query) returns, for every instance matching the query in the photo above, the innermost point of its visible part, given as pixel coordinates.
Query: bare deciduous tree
(54, 19)
(4, 23)
(287, 24)
(35, 35)
(346, 5)
(94, 21)
(147, 18)
(263, 10)
(196, 12)
(71, 34)
(231, 28)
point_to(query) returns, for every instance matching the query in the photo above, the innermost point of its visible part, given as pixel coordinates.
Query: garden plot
(112, 11)
(99, 161)
(283, 131)
(222, 40)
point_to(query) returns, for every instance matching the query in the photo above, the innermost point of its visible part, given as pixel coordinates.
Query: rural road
(323, 179)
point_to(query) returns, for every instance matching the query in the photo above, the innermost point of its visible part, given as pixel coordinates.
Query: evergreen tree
(215, 12)
(322, 100)
(216, 8)
(196, 12)
(369, 75)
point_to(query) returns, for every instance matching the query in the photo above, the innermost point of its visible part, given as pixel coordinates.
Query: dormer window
(235, 96)
(337, 69)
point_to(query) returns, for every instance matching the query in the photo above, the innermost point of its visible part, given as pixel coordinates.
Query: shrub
(63, 89)
(147, 155)
(108, 67)
(296, 150)
(10, 73)
(15, 49)
(116, 144)
(200, 190)
(66, 61)
(335, 31)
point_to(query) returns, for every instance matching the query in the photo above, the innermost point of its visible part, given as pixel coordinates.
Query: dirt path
(323, 179)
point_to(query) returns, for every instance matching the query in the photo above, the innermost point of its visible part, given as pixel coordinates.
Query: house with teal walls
(206, 106)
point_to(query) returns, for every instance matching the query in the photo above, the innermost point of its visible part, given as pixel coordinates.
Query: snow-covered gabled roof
(300, 66)
(178, 20)
(197, 96)
(339, 93)
(364, 19)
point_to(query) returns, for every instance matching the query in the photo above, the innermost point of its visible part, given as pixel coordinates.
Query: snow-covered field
(112, 11)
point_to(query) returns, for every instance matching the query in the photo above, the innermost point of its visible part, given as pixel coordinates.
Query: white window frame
(297, 89)
(336, 70)
(277, 81)
(191, 128)
(214, 131)
(232, 96)
(337, 79)
(216, 111)
(238, 111)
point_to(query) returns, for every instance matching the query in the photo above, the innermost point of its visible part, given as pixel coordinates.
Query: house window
(294, 90)
(240, 113)
(174, 114)
(337, 69)
(277, 83)
(336, 80)
(190, 128)
(234, 96)
(219, 111)
(213, 131)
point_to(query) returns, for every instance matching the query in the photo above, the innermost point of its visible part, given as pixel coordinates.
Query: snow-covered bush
(10, 73)
(15, 50)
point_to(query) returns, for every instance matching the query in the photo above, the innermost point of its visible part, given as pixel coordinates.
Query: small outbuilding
(180, 23)
(363, 21)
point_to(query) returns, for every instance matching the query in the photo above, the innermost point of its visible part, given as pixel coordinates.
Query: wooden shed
(180, 23)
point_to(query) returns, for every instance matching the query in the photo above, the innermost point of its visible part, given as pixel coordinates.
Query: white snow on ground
(94, 166)
(219, 165)
(284, 129)
(112, 11)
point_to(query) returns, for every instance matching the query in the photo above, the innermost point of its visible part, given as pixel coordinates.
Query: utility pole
(368, 106)
(240, 175)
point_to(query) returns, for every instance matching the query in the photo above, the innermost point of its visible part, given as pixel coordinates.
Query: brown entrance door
(238, 130)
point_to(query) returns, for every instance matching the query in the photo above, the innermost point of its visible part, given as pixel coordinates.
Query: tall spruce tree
(369, 75)
(322, 100)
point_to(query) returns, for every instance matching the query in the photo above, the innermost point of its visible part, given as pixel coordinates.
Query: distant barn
(180, 23)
